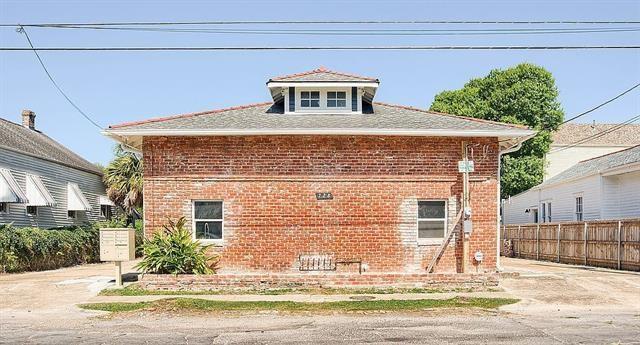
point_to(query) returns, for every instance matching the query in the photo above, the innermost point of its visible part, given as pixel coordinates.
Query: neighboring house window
(310, 99)
(105, 211)
(579, 208)
(336, 99)
(4, 207)
(544, 213)
(32, 210)
(207, 220)
(549, 212)
(432, 219)
(72, 214)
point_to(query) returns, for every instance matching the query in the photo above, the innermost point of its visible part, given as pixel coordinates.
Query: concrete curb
(301, 297)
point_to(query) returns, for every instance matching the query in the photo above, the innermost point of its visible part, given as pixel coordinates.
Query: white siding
(621, 196)
(562, 198)
(562, 160)
(55, 177)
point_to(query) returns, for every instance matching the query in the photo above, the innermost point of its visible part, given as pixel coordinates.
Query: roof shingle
(267, 116)
(570, 133)
(34, 143)
(595, 165)
(323, 74)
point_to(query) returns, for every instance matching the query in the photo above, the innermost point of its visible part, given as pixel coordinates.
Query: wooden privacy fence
(604, 243)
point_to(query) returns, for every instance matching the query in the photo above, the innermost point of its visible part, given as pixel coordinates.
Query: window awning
(104, 200)
(37, 193)
(75, 199)
(10, 190)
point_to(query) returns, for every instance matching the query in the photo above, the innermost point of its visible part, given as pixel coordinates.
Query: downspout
(503, 152)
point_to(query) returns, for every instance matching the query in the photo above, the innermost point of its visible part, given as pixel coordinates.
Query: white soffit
(10, 191)
(37, 193)
(75, 199)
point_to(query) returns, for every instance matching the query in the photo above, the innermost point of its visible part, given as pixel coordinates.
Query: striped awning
(37, 193)
(104, 200)
(10, 190)
(75, 199)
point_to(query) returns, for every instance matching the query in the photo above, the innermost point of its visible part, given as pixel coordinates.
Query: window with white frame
(432, 219)
(310, 99)
(71, 214)
(579, 208)
(32, 210)
(4, 207)
(543, 215)
(106, 212)
(207, 220)
(549, 211)
(336, 99)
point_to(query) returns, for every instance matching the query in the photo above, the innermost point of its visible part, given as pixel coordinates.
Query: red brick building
(324, 178)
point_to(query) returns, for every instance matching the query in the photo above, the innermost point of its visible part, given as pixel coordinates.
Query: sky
(114, 87)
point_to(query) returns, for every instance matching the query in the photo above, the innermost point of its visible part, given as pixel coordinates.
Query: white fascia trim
(515, 133)
(322, 84)
(623, 169)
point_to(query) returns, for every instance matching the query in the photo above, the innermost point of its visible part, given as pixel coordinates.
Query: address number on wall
(324, 196)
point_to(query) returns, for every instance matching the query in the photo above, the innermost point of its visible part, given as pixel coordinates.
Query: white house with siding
(575, 142)
(44, 184)
(605, 187)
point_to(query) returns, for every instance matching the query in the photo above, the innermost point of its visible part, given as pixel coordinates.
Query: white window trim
(575, 208)
(346, 98)
(110, 210)
(310, 99)
(323, 109)
(193, 222)
(431, 241)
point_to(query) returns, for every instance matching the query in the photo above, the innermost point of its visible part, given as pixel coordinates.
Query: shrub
(174, 251)
(35, 249)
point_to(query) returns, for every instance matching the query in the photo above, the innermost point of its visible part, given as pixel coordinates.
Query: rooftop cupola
(323, 91)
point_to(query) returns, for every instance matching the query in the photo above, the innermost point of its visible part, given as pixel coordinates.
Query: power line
(361, 32)
(602, 104)
(330, 22)
(264, 48)
(599, 134)
(22, 30)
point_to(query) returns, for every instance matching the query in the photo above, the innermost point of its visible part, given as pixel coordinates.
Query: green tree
(123, 178)
(526, 95)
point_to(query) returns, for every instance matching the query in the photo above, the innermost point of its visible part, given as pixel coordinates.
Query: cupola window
(336, 99)
(310, 99)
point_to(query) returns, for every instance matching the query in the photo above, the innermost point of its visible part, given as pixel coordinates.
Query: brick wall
(271, 214)
(226, 282)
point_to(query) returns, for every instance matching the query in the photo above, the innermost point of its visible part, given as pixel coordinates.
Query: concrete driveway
(560, 305)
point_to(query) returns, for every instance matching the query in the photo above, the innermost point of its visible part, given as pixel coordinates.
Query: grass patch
(135, 290)
(202, 305)
(116, 307)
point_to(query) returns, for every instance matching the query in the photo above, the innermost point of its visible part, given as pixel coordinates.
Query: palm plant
(174, 251)
(123, 177)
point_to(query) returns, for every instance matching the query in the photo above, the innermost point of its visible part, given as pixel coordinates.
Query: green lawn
(135, 290)
(195, 304)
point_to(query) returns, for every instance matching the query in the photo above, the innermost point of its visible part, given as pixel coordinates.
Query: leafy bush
(35, 249)
(174, 251)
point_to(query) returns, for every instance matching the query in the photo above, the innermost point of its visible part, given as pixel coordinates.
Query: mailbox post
(117, 245)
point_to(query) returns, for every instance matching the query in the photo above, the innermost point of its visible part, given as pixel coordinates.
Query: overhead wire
(337, 48)
(602, 104)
